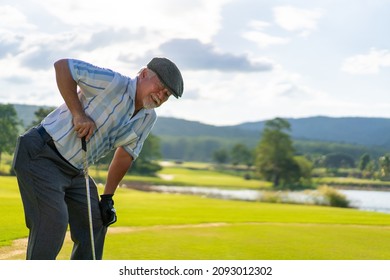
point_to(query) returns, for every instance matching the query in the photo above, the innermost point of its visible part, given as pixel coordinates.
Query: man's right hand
(84, 126)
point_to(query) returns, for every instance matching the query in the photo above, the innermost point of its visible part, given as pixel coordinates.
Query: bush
(332, 197)
(143, 167)
(270, 197)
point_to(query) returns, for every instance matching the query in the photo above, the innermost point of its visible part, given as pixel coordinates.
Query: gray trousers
(54, 195)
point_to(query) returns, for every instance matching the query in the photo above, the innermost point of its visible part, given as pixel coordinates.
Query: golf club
(84, 147)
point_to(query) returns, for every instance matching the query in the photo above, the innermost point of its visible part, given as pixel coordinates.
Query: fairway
(241, 241)
(251, 241)
(184, 227)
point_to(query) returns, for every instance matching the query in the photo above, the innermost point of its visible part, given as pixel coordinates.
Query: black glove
(107, 209)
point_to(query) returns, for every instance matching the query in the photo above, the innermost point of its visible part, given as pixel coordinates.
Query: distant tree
(364, 160)
(305, 169)
(176, 148)
(201, 149)
(338, 160)
(40, 114)
(221, 156)
(384, 163)
(146, 162)
(241, 154)
(275, 154)
(8, 128)
(370, 169)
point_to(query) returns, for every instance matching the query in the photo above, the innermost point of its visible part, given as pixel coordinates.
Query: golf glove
(107, 209)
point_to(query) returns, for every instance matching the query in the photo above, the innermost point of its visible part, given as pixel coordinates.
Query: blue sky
(242, 60)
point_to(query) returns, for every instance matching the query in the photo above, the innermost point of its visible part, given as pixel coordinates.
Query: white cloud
(13, 19)
(26, 86)
(370, 63)
(172, 18)
(262, 39)
(299, 20)
(195, 55)
(9, 43)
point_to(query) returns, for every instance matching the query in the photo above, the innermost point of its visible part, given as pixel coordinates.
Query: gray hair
(149, 73)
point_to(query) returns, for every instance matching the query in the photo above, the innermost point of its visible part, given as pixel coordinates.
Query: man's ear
(144, 73)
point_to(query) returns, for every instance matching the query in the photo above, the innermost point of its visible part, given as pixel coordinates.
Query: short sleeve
(141, 132)
(91, 79)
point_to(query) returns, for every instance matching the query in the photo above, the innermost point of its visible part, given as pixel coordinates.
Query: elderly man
(109, 110)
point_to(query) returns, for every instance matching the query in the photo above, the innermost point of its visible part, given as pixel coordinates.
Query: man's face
(155, 94)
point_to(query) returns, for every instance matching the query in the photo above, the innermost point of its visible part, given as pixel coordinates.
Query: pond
(377, 201)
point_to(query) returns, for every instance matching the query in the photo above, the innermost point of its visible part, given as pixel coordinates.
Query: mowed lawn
(190, 176)
(154, 226)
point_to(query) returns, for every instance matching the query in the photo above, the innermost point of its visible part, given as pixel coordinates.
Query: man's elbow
(61, 63)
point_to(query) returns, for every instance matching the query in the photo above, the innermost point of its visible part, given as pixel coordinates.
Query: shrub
(270, 197)
(324, 195)
(332, 197)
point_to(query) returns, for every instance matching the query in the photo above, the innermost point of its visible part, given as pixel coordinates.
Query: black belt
(45, 136)
(50, 142)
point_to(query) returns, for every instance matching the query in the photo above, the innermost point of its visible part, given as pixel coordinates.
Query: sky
(241, 60)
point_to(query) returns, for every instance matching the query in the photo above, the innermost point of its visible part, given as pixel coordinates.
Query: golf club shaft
(84, 147)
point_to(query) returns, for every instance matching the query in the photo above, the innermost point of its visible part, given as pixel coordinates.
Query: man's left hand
(107, 209)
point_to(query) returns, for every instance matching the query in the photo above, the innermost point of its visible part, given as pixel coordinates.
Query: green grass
(147, 209)
(210, 178)
(243, 242)
(5, 163)
(189, 175)
(241, 230)
(167, 226)
(187, 227)
(11, 211)
(352, 182)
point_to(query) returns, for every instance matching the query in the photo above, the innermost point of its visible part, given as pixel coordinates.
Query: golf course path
(18, 247)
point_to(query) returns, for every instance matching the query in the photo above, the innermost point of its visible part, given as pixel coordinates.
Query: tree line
(276, 157)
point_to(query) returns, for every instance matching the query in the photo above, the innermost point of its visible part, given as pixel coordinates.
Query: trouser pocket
(29, 146)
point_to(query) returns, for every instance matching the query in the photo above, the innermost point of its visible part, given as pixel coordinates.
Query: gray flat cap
(168, 73)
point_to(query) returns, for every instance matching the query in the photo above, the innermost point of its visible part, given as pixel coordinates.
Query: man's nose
(161, 95)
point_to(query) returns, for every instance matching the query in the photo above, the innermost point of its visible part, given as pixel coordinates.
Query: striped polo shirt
(109, 99)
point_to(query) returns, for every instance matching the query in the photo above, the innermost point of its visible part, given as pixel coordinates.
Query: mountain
(179, 127)
(373, 132)
(353, 130)
(26, 113)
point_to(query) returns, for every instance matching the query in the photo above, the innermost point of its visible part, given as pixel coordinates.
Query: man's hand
(84, 126)
(107, 209)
